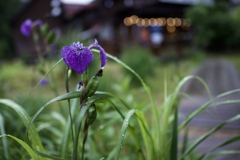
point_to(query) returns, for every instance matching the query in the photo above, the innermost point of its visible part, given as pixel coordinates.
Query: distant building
(152, 23)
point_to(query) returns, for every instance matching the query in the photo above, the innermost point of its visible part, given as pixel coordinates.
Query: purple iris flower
(78, 57)
(38, 22)
(26, 27)
(28, 24)
(103, 55)
(44, 81)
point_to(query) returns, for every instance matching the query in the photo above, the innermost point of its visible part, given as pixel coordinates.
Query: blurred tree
(216, 27)
(7, 9)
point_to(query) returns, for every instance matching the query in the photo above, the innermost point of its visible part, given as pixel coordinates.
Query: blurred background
(150, 36)
(155, 24)
(162, 40)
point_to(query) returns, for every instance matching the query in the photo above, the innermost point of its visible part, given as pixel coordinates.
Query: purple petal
(103, 55)
(44, 81)
(77, 57)
(26, 27)
(38, 22)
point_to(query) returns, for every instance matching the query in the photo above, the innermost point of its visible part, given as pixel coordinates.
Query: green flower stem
(36, 39)
(69, 104)
(85, 133)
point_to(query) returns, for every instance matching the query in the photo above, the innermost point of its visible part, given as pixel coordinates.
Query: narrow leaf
(70, 95)
(227, 142)
(185, 141)
(123, 131)
(26, 146)
(78, 123)
(66, 96)
(174, 142)
(146, 135)
(225, 152)
(25, 118)
(49, 71)
(205, 136)
(4, 139)
(208, 104)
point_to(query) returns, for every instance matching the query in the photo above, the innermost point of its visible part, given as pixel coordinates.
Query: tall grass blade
(174, 141)
(166, 112)
(32, 132)
(123, 131)
(185, 141)
(4, 139)
(48, 72)
(77, 127)
(112, 154)
(70, 95)
(220, 153)
(208, 104)
(145, 86)
(66, 137)
(108, 100)
(147, 138)
(201, 109)
(155, 110)
(194, 114)
(26, 146)
(209, 133)
(229, 141)
(99, 93)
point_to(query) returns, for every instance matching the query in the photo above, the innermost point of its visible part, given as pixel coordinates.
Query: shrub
(140, 60)
(216, 27)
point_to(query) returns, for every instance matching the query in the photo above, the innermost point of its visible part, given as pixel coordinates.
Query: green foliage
(216, 27)
(141, 61)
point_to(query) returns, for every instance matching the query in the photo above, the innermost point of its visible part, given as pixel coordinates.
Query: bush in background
(140, 60)
(216, 27)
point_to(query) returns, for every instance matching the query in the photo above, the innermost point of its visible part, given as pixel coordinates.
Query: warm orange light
(164, 21)
(170, 22)
(128, 21)
(159, 21)
(134, 18)
(151, 21)
(139, 22)
(155, 22)
(178, 22)
(143, 22)
(171, 29)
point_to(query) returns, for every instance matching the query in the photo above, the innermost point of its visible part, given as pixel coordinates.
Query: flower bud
(92, 86)
(50, 37)
(44, 29)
